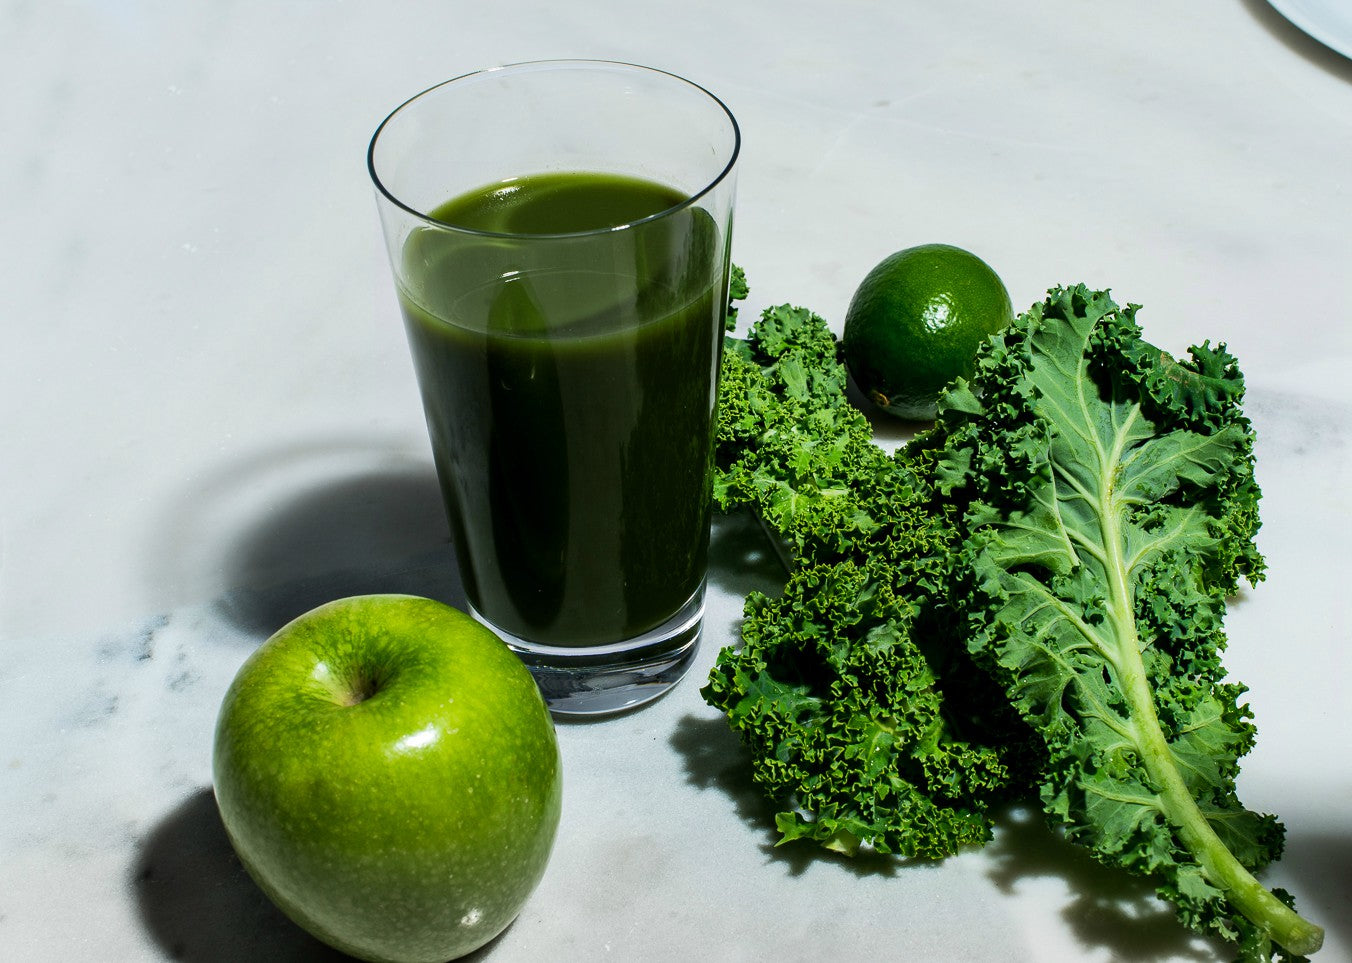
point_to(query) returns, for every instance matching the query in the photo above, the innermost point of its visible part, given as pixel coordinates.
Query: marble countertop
(211, 424)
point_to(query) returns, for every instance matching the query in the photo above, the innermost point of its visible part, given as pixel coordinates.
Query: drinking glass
(559, 234)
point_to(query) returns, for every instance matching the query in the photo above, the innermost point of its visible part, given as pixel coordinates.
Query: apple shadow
(200, 905)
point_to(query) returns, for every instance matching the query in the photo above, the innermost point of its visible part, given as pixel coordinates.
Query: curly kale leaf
(859, 710)
(737, 291)
(848, 723)
(1110, 508)
(789, 443)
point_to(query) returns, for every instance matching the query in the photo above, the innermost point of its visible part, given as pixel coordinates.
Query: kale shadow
(742, 557)
(715, 760)
(1109, 909)
(200, 906)
(1319, 865)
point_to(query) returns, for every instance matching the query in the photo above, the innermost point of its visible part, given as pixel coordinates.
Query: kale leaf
(1027, 598)
(1110, 509)
(849, 720)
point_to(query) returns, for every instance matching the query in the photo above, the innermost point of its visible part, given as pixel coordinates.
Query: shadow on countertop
(200, 906)
(378, 526)
(714, 759)
(1120, 912)
(1297, 41)
(1322, 862)
(742, 559)
(1108, 909)
(381, 529)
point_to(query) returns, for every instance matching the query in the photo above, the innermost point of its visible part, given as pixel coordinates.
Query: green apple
(388, 773)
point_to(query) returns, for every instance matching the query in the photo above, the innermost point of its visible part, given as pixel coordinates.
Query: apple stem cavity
(361, 686)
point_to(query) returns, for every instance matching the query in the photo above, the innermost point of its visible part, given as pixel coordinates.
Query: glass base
(578, 681)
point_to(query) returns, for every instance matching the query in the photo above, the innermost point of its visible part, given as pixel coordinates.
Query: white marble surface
(210, 423)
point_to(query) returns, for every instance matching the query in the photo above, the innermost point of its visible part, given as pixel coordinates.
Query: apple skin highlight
(389, 775)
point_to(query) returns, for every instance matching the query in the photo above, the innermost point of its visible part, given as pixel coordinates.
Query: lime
(915, 324)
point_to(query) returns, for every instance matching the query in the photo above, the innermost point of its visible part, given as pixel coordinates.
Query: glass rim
(430, 221)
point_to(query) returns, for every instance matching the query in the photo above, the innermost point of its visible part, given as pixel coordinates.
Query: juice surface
(569, 386)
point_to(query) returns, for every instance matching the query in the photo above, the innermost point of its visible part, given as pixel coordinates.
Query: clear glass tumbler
(559, 234)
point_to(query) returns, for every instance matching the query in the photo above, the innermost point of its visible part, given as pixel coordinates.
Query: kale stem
(1288, 928)
(1220, 866)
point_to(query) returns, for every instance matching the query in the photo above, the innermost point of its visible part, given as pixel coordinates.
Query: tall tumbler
(559, 234)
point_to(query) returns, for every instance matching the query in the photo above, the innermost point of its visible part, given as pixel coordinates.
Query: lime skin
(389, 775)
(915, 324)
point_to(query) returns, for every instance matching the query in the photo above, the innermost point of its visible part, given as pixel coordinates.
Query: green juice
(569, 384)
